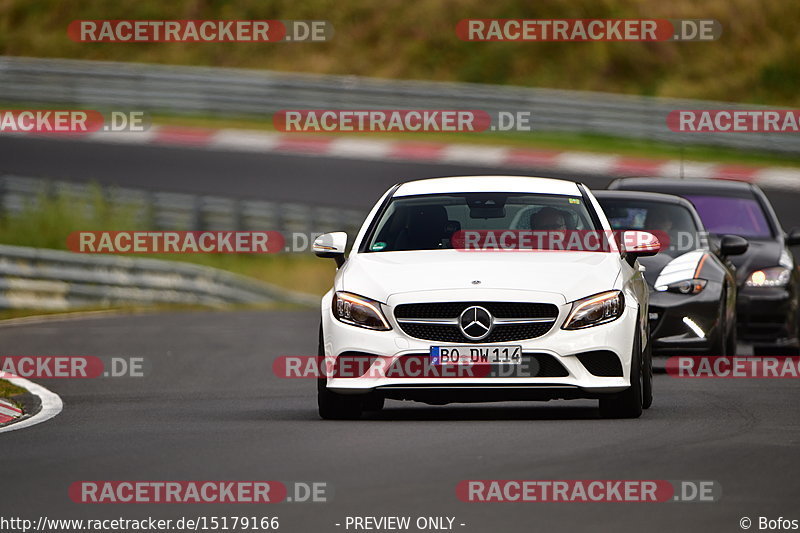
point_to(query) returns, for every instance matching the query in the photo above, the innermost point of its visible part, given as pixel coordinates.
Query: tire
(628, 403)
(647, 373)
(721, 343)
(333, 406)
(732, 342)
(374, 402)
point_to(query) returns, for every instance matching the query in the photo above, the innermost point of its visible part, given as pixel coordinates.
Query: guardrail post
(238, 215)
(3, 207)
(198, 220)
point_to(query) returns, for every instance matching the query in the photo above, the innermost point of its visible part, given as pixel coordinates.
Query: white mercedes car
(415, 314)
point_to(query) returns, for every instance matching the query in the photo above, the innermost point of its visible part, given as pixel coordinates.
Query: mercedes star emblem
(475, 323)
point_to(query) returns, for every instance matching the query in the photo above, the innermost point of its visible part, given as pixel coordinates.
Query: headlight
(595, 310)
(769, 277)
(359, 311)
(687, 286)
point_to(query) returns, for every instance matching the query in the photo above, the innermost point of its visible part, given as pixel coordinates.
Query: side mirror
(733, 245)
(793, 239)
(639, 244)
(331, 245)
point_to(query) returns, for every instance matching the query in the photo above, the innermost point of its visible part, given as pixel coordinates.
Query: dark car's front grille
(543, 317)
(655, 316)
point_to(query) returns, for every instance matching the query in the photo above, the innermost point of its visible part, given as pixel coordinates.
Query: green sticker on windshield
(378, 246)
(575, 201)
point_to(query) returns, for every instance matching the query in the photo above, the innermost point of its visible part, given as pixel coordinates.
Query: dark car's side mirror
(331, 245)
(733, 245)
(793, 239)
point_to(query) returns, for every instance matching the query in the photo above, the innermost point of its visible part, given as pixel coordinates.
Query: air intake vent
(602, 363)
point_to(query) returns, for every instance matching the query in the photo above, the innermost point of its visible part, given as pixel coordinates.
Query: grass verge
(8, 389)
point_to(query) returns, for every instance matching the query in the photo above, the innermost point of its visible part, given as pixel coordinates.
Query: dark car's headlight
(359, 311)
(769, 277)
(595, 310)
(686, 286)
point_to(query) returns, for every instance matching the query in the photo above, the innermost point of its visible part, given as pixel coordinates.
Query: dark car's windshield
(428, 222)
(673, 219)
(732, 215)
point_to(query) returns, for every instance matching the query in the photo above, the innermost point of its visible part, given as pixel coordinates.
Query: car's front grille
(497, 309)
(500, 333)
(513, 321)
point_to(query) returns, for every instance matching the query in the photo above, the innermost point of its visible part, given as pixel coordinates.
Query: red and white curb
(8, 412)
(51, 405)
(438, 152)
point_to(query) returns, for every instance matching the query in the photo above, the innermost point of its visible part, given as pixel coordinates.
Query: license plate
(506, 354)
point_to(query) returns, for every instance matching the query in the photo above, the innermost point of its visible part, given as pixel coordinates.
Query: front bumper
(767, 316)
(685, 323)
(565, 347)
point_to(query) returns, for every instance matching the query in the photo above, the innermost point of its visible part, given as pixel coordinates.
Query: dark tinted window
(737, 216)
(428, 222)
(673, 219)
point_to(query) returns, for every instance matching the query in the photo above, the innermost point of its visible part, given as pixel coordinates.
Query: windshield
(673, 220)
(731, 215)
(428, 222)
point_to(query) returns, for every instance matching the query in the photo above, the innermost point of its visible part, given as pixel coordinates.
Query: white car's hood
(573, 275)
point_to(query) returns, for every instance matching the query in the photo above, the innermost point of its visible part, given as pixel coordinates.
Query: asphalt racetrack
(210, 407)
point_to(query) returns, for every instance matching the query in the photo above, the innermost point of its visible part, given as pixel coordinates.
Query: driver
(548, 219)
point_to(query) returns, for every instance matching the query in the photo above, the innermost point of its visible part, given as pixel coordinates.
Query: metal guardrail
(223, 91)
(179, 211)
(35, 278)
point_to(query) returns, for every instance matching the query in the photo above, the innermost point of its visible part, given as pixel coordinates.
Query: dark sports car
(768, 279)
(692, 282)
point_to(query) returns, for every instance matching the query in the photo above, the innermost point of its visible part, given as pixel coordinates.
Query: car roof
(643, 196)
(504, 184)
(678, 185)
